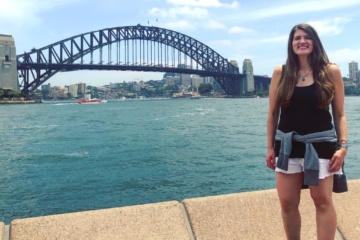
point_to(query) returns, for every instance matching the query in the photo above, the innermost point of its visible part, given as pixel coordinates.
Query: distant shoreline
(20, 102)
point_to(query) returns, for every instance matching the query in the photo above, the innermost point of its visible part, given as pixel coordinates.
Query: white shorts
(296, 165)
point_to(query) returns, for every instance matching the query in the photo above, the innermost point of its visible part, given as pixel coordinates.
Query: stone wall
(8, 63)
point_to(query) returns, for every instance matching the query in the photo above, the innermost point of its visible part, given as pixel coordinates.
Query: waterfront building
(185, 78)
(137, 86)
(73, 89)
(196, 81)
(81, 88)
(249, 82)
(113, 85)
(8, 64)
(353, 69)
(209, 80)
(169, 81)
(46, 87)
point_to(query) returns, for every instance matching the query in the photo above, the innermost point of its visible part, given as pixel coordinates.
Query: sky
(236, 29)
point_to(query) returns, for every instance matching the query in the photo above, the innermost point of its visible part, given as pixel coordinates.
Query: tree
(172, 89)
(9, 93)
(205, 88)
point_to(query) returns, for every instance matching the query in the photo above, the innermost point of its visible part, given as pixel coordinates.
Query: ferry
(89, 100)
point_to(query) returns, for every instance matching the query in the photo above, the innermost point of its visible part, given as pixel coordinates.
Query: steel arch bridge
(134, 48)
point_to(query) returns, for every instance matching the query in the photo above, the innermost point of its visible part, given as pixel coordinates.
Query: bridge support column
(8, 64)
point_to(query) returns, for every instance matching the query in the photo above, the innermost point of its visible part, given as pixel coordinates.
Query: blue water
(62, 157)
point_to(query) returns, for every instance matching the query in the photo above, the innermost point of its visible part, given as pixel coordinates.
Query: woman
(303, 146)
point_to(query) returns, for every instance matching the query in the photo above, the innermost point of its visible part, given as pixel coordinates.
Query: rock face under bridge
(8, 66)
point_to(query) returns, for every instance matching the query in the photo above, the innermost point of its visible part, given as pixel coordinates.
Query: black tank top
(304, 116)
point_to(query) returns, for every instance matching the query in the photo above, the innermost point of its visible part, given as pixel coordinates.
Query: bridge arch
(137, 48)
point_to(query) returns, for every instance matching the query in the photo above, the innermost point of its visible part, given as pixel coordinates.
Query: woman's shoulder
(275, 79)
(278, 70)
(333, 68)
(335, 72)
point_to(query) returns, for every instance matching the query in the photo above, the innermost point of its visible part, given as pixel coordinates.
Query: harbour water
(61, 157)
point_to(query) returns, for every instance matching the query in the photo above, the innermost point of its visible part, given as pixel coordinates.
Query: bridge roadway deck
(248, 215)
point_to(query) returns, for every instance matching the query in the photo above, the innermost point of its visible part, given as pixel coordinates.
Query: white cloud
(344, 55)
(26, 11)
(330, 27)
(183, 25)
(241, 30)
(179, 11)
(214, 25)
(299, 7)
(203, 3)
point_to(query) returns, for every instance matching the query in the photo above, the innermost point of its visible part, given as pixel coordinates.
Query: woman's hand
(337, 160)
(270, 159)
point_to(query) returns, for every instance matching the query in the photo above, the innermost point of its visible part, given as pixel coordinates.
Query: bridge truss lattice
(131, 48)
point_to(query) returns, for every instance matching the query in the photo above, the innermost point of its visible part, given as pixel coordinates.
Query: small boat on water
(89, 100)
(196, 96)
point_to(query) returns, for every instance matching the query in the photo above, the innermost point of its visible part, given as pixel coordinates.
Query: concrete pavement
(247, 215)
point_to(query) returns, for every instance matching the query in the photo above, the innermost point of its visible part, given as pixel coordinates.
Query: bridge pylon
(8, 63)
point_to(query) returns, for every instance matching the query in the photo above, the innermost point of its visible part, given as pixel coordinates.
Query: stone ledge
(247, 215)
(151, 221)
(256, 215)
(2, 231)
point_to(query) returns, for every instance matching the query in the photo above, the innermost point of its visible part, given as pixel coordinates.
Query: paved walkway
(248, 215)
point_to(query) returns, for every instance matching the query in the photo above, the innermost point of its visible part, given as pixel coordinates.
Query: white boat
(195, 96)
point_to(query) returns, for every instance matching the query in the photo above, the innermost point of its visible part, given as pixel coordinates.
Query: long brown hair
(318, 61)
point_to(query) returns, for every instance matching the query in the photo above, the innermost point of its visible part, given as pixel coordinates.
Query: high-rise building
(185, 78)
(81, 88)
(8, 65)
(209, 80)
(249, 82)
(169, 81)
(353, 68)
(73, 89)
(196, 81)
(46, 87)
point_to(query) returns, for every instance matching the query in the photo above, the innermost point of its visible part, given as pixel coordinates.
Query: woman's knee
(322, 194)
(289, 204)
(321, 201)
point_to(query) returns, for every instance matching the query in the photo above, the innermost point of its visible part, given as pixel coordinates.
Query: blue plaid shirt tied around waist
(311, 159)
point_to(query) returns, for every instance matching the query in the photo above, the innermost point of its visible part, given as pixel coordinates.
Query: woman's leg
(325, 210)
(289, 189)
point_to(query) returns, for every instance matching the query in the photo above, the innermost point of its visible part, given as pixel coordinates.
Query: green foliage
(262, 93)
(352, 91)
(8, 93)
(205, 88)
(173, 88)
